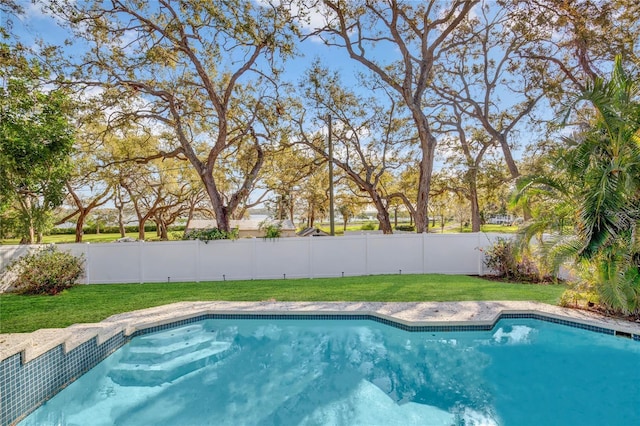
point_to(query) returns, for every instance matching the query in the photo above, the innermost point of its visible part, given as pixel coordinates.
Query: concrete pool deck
(32, 345)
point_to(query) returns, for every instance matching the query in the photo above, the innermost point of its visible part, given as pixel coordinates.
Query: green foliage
(36, 139)
(598, 188)
(505, 261)
(369, 226)
(409, 228)
(210, 234)
(46, 271)
(271, 230)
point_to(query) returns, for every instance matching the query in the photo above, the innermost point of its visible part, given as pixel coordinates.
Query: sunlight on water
(259, 372)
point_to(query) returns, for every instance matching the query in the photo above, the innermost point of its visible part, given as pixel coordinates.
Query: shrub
(271, 230)
(46, 271)
(502, 258)
(369, 226)
(409, 228)
(209, 234)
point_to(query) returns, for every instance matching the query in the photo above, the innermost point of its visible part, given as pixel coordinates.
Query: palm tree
(602, 181)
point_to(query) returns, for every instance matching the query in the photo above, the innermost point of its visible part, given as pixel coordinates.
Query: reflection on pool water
(321, 372)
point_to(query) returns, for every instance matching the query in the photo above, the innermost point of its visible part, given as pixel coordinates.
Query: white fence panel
(395, 254)
(281, 258)
(340, 256)
(170, 261)
(8, 253)
(285, 257)
(113, 262)
(452, 254)
(226, 260)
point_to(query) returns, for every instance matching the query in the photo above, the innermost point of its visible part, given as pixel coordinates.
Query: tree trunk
(475, 209)
(472, 175)
(424, 184)
(164, 232)
(120, 206)
(32, 233)
(219, 209)
(428, 147)
(123, 231)
(312, 217)
(32, 229)
(291, 215)
(141, 222)
(382, 215)
(80, 225)
(189, 217)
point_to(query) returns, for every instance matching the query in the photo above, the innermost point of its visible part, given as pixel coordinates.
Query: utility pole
(332, 225)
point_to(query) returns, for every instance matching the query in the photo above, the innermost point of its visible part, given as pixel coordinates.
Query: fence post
(87, 267)
(198, 260)
(310, 256)
(141, 261)
(480, 234)
(254, 258)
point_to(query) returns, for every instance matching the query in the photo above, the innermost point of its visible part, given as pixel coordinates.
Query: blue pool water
(308, 372)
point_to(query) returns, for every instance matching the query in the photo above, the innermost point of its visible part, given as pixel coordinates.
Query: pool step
(176, 334)
(160, 352)
(166, 356)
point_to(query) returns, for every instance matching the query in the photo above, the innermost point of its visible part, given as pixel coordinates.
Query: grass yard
(87, 238)
(93, 303)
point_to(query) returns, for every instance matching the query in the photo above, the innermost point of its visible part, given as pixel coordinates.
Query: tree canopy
(36, 140)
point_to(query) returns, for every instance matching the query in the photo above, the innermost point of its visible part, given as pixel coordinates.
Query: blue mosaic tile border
(367, 317)
(24, 387)
(558, 321)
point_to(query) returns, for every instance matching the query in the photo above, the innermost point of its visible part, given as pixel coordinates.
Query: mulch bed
(544, 281)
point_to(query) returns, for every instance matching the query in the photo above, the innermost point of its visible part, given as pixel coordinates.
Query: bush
(504, 261)
(46, 271)
(210, 234)
(271, 230)
(500, 258)
(369, 226)
(409, 228)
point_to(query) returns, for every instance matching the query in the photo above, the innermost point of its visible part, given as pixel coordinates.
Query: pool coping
(407, 314)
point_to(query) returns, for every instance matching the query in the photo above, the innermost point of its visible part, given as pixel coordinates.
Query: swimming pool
(357, 372)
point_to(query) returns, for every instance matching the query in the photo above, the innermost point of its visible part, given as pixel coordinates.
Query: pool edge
(108, 335)
(411, 314)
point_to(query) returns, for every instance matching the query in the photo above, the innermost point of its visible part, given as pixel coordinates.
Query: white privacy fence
(310, 257)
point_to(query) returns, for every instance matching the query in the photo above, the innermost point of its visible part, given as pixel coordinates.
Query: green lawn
(93, 303)
(87, 238)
